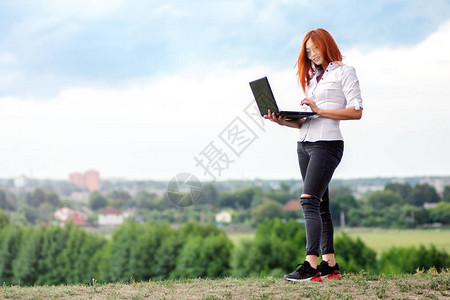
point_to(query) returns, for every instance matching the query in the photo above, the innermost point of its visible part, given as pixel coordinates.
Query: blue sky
(73, 72)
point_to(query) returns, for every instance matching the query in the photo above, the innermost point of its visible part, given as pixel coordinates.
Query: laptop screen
(263, 96)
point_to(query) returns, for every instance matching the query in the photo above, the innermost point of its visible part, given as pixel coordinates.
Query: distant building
(82, 197)
(362, 190)
(77, 179)
(110, 217)
(429, 205)
(92, 180)
(438, 183)
(223, 217)
(66, 214)
(293, 205)
(20, 181)
(129, 213)
(89, 180)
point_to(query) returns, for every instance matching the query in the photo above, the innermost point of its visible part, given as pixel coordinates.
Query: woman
(332, 92)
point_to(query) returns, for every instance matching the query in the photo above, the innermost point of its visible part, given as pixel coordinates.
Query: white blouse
(337, 89)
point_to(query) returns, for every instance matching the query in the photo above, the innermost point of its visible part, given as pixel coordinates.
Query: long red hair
(329, 51)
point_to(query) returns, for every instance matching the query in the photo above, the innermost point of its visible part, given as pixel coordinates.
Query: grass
(429, 285)
(381, 240)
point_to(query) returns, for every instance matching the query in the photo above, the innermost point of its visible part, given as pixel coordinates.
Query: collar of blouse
(331, 66)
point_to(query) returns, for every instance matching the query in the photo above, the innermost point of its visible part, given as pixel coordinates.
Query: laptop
(265, 100)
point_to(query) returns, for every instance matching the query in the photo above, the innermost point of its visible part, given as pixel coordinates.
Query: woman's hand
(349, 113)
(282, 120)
(272, 117)
(311, 105)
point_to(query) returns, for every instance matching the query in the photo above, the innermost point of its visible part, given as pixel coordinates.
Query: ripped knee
(308, 196)
(311, 200)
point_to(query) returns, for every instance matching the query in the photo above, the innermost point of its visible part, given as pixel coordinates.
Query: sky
(151, 89)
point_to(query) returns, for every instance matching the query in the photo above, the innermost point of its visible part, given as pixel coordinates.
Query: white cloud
(405, 125)
(83, 8)
(7, 58)
(138, 131)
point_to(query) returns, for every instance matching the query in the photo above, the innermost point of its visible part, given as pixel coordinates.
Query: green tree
(148, 201)
(205, 253)
(19, 220)
(4, 219)
(422, 215)
(441, 213)
(268, 210)
(52, 199)
(204, 257)
(383, 199)
(36, 198)
(76, 258)
(26, 265)
(3, 201)
(195, 229)
(228, 199)
(274, 250)
(240, 199)
(10, 239)
(118, 255)
(403, 189)
(51, 265)
(415, 216)
(209, 194)
(166, 256)
(70, 254)
(45, 212)
(409, 259)
(339, 191)
(97, 201)
(396, 216)
(248, 260)
(143, 253)
(30, 213)
(354, 255)
(133, 250)
(51, 255)
(423, 193)
(119, 199)
(446, 194)
(342, 205)
(281, 196)
(88, 261)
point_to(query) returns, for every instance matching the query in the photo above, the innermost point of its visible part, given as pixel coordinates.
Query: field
(430, 285)
(381, 240)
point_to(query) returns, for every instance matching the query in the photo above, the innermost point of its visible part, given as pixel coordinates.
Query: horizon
(232, 179)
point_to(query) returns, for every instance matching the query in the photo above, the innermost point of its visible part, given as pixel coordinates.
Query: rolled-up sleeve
(350, 88)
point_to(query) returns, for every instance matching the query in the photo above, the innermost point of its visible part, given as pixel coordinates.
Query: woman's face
(313, 53)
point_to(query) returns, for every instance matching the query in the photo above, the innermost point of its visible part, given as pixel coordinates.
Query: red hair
(329, 51)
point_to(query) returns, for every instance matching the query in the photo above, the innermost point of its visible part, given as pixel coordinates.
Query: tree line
(398, 205)
(50, 255)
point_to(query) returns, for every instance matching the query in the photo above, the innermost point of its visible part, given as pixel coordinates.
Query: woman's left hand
(311, 104)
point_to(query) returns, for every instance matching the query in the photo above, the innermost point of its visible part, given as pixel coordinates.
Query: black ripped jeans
(318, 160)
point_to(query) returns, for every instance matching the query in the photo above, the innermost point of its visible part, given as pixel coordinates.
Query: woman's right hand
(272, 117)
(282, 120)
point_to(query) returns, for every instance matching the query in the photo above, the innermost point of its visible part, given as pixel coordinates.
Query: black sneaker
(329, 272)
(305, 272)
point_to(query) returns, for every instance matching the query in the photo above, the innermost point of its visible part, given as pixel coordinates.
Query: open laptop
(265, 100)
